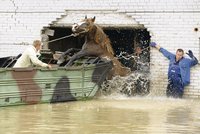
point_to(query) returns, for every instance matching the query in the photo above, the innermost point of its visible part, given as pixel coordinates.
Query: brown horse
(96, 44)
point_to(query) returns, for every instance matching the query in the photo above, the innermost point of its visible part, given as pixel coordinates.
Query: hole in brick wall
(64, 44)
(122, 40)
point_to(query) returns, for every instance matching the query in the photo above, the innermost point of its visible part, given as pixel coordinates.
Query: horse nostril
(75, 26)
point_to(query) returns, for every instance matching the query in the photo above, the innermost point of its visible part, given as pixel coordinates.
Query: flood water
(105, 115)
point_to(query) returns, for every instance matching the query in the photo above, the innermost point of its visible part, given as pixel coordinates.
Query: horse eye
(85, 24)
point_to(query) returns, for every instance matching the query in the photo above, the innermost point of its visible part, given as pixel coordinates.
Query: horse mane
(101, 38)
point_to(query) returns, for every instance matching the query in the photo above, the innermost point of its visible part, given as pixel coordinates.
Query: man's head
(37, 44)
(179, 54)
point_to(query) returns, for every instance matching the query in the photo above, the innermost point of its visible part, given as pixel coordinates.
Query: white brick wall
(170, 23)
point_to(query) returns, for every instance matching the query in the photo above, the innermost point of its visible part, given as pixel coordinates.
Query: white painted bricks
(170, 23)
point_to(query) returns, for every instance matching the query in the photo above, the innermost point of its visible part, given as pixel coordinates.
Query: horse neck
(91, 35)
(97, 35)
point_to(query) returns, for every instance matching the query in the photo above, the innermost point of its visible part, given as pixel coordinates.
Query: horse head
(83, 26)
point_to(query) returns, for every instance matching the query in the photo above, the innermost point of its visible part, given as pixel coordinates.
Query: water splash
(137, 83)
(131, 85)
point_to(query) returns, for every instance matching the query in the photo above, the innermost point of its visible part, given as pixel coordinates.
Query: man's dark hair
(180, 50)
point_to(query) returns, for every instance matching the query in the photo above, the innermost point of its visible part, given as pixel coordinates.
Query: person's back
(29, 57)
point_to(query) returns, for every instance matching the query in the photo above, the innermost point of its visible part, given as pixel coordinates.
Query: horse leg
(71, 50)
(76, 56)
(61, 59)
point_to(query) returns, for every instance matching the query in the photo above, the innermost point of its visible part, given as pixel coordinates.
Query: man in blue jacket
(178, 71)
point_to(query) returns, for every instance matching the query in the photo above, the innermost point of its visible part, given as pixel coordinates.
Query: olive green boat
(20, 86)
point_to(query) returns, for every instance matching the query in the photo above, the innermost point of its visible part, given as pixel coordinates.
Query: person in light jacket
(178, 71)
(29, 57)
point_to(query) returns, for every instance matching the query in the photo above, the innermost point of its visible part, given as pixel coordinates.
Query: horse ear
(85, 16)
(93, 19)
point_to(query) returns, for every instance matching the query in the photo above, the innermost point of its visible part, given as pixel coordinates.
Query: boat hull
(20, 86)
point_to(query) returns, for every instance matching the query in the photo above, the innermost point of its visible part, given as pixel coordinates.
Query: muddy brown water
(105, 115)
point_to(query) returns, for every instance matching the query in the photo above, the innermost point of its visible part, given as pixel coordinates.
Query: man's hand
(49, 66)
(190, 53)
(153, 44)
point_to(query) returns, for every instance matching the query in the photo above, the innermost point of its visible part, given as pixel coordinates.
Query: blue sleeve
(190, 61)
(166, 53)
(193, 61)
